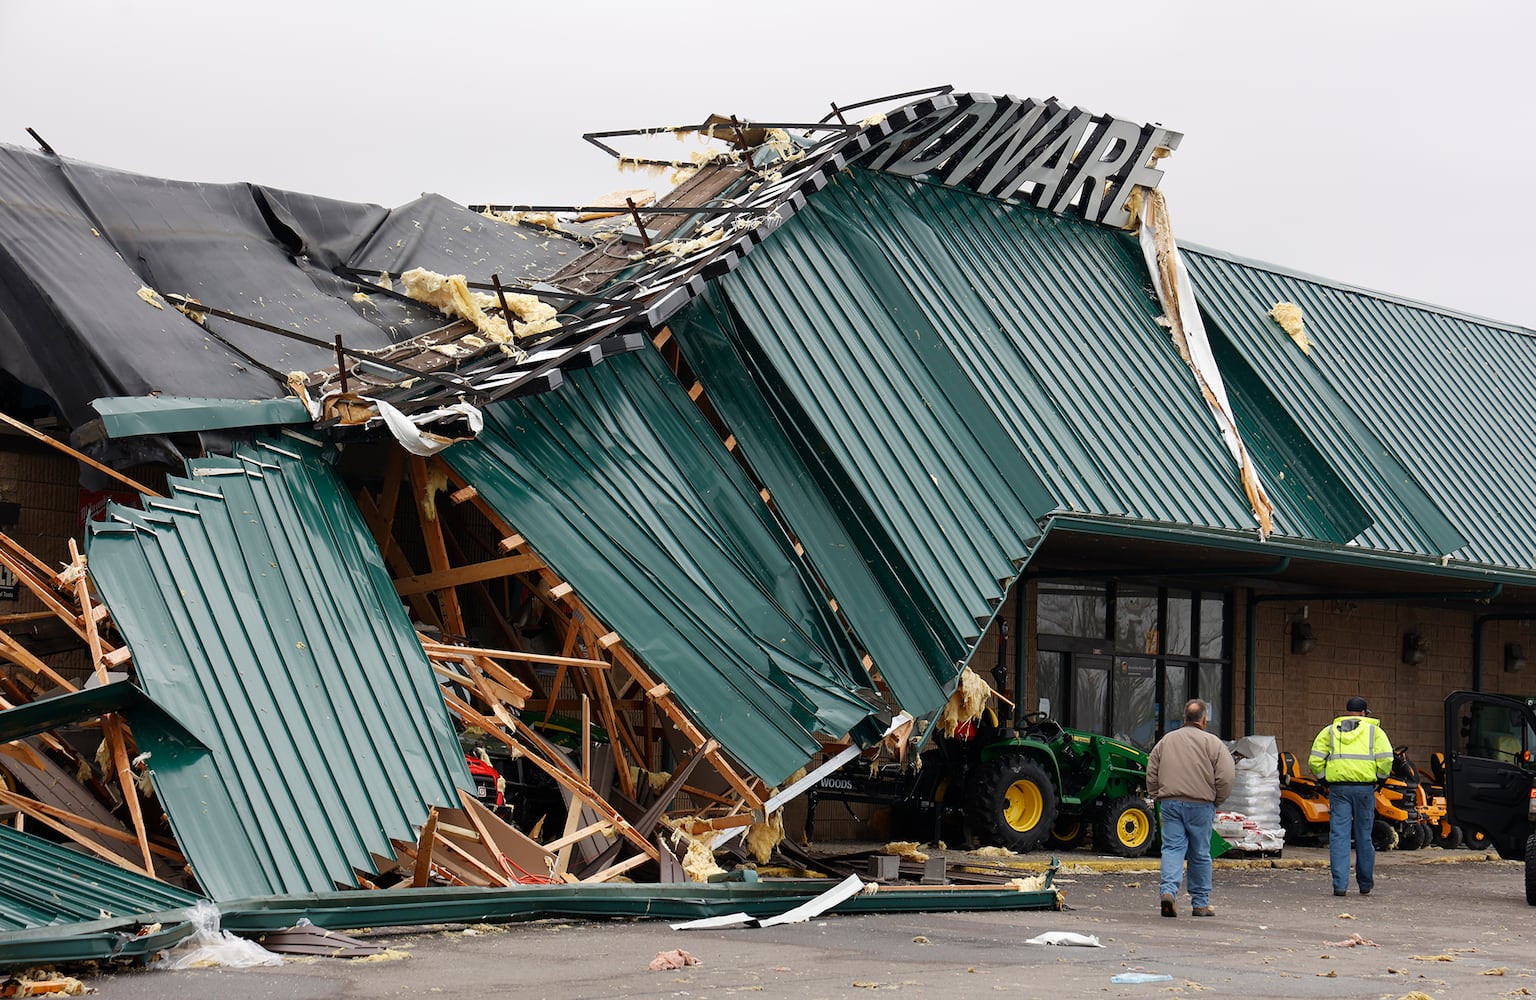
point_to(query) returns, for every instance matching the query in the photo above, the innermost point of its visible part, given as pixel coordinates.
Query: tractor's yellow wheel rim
(1068, 829)
(1135, 827)
(1025, 805)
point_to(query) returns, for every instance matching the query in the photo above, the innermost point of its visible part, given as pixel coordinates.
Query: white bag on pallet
(1255, 798)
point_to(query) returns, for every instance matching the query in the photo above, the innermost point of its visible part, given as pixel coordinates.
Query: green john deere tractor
(1040, 786)
(1057, 786)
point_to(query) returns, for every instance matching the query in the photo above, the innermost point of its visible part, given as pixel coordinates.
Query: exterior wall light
(1514, 658)
(1415, 649)
(1302, 638)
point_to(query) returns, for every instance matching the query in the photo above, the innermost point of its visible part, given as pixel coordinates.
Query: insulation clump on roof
(451, 294)
(967, 703)
(1288, 315)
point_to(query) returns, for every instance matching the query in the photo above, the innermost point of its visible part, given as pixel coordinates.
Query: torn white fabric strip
(714, 923)
(843, 891)
(1177, 297)
(424, 443)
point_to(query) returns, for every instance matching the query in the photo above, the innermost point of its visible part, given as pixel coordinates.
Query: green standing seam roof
(261, 616)
(47, 884)
(1345, 397)
(1053, 321)
(619, 483)
(938, 491)
(897, 625)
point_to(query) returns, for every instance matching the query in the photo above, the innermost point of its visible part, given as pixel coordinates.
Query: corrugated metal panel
(1375, 393)
(898, 625)
(941, 495)
(621, 486)
(47, 884)
(1053, 321)
(260, 615)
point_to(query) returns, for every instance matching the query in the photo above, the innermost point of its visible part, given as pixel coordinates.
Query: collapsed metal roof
(618, 482)
(260, 616)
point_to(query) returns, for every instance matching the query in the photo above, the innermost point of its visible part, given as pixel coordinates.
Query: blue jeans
(1187, 835)
(1351, 811)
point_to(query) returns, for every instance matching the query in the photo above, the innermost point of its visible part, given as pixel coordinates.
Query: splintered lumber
(137, 487)
(112, 726)
(437, 549)
(456, 576)
(450, 651)
(424, 850)
(14, 651)
(561, 774)
(524, 859)
(613, 871)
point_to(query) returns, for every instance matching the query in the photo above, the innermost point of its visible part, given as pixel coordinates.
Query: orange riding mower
(1407, 818)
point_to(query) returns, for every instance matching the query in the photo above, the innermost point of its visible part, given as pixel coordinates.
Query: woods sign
(1053, 156)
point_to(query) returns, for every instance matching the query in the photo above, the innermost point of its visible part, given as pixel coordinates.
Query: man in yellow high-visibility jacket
(1352, 753)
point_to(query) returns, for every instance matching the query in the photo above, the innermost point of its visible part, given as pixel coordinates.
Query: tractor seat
(1288, 767)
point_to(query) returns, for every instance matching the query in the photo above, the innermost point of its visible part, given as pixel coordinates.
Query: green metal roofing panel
(260, 615)
(129, 416)
(619, 483)
(1054, 323)
(896, 624)
(47, 884)
(933, 479)
(1429, 413)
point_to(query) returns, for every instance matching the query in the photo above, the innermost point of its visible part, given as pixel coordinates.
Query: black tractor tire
(1448, 837)
(1413, 837)
(1126, 828)
(1474, 839)
(1012, 803)
(1068, 833)
(1384, 835)
(1530, 869)
(1297, 830)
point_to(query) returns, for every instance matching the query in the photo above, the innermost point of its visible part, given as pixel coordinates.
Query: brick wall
(1359, 652)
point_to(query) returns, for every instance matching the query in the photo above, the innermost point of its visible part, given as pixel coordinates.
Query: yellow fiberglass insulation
(762, 838)
(1288, 315)
(967, 703)
(451, 294)
(699, 862)
(906, 849)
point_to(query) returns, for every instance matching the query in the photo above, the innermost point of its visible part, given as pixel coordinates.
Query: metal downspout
(1477, 641)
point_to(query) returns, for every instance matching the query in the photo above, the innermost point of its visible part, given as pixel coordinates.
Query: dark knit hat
(1355, 704)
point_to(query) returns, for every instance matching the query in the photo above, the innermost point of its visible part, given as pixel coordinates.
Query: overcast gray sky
(1385, 144)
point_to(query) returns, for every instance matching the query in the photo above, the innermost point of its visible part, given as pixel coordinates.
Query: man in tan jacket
(1188, 773)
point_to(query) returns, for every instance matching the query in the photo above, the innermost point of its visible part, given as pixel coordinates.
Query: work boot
(1168, 910)
(1341, 892)
(1203, 911)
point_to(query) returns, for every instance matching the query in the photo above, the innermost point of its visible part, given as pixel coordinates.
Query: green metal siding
(621, 486)
(46, 884)
(1429, 413)
(260, 615)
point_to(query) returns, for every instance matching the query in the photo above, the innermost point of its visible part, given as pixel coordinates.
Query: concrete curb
(1305, 858)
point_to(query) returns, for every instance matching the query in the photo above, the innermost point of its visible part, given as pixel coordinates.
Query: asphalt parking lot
(1445, 924)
